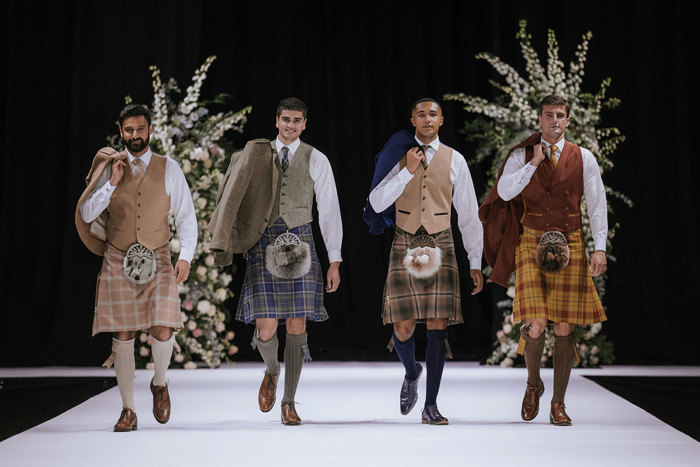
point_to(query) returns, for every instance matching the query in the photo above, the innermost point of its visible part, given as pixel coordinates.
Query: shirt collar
(434, 145)
(559, 145)
(145, 157)
(292, 147)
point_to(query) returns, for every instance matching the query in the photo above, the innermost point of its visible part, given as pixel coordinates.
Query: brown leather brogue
(558, 416)
(289, 414)
(531, 401)
(268, 391)
(127, 421)
(161, 403)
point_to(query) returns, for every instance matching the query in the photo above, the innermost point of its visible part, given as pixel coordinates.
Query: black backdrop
(359, 66)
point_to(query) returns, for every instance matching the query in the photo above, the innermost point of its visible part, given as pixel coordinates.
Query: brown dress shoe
(531, 401)
(161, 403)
(127, 421)
(289, 414)
(557, 416)
(268, 391)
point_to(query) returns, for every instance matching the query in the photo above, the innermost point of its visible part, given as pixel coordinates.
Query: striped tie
(553, 156)
(285, 158)
(424, 161)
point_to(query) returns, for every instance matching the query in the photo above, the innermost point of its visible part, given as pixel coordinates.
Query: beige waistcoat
(427, 199)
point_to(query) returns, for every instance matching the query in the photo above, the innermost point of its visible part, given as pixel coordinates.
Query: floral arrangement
(186, 131)
(512, 117)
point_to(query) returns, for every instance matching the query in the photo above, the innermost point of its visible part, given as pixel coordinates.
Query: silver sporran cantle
(288, 257)
(423, 257)
(139, 264)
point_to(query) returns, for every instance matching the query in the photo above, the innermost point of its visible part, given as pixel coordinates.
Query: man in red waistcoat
(123, 216)
(547, 177)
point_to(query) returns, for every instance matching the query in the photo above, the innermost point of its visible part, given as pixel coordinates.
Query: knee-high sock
(293, 361)
(268, 350)
(162, 352)
(124, 366)
(534, 348)
(434, 362)
(563, 360)
(406, 351)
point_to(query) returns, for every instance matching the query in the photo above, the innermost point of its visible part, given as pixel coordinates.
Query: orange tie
(553, 156)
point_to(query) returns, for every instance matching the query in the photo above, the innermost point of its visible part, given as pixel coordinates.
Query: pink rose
(232, 350)
(197, 332)
(229, 336)
(188, 305)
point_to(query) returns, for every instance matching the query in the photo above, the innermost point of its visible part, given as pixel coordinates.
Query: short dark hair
(553, 99)
(424, 99)
(134, 110)
(292, 103)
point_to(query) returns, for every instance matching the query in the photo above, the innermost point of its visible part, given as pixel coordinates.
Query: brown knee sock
(534, 348)
(563, 360)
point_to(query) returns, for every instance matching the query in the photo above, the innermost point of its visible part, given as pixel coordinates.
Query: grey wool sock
(124, 366)
(293, 361)
(268, 350)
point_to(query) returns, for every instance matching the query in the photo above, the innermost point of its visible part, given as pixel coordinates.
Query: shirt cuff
(186, 254)
(334, 256)
(600, 244)
(475, 263)
(405, 176)
(108, 188)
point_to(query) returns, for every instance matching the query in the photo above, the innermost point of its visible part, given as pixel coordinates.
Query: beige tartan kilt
(566, 296)
(406, 297)
(123, 306)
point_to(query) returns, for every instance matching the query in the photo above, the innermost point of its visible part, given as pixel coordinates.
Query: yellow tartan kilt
(566, 296)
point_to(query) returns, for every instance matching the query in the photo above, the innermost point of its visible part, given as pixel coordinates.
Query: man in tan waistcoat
(544, 179)
(422, 284)
(123, 216)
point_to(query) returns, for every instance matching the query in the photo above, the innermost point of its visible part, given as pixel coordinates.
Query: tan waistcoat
(138, 212)
(427, 199)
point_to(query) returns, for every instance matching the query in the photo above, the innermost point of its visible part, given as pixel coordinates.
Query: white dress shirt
(463, 198)
(326, 198)
(517, 174)
(176, 187)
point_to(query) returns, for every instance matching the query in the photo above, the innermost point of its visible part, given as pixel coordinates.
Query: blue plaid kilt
(266, 296)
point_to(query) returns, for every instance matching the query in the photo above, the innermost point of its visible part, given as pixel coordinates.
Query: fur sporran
(553, 252)
(288, 257)
(139, 266)
(423, 257)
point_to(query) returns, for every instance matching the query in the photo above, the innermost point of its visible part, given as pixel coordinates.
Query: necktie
(553, 156)
(285, 158)
(138, 170)
(424, 161)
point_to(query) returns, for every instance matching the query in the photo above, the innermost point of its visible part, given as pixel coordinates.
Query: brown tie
(139, 170)
(553, 156)
(424, 161)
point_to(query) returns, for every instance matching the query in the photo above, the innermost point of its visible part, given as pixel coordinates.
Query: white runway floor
(351, 418)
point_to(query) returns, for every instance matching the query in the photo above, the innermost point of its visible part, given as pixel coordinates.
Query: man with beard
(543, 180)
(123, 216)
(425, 178)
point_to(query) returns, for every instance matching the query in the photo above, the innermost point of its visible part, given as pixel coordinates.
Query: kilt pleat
(123, 306)
(266, 296)
(566, 296)
(407, 297)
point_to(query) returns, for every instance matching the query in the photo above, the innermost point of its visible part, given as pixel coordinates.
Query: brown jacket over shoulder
(244, 202)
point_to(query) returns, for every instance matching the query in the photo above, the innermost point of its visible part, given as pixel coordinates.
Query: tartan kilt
(407, 297)
(566, 296)
(266, 296)
(123, 306)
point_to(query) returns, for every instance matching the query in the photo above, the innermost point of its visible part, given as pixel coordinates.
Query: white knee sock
(124, 366)
(162, 352)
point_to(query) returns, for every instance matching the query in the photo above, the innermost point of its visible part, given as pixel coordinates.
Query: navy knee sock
(434, 362)
(406, 351)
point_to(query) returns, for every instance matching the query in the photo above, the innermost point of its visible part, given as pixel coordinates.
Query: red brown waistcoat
(553, 198)
(139, 212)
(427, 198)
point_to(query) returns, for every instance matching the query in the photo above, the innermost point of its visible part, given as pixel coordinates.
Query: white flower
(201, 272)
(143, 351)
(507, 328)
(150, 366)
(175, 245)
(213, 274)
(201, 203)
(220, 294)
(204, 306)
(197, 154)
(190, 365)
(220, 327)
(594, 360)
(143, 337)
(179, 358)
(226, 279)
(186, 166)
(209, 261)
(510, 292)
(507, 362)
(192, 325)
(183, 316)
(594, 350)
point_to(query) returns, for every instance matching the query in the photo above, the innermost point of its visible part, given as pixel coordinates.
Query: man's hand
(413, 158)
(182, 271)
(599, 263)
(539, 150)
(117, 172)
(478, 280)
(333, 277)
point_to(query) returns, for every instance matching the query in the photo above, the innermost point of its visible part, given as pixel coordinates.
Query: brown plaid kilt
(123, 306)
(407, 297)
(566, 296)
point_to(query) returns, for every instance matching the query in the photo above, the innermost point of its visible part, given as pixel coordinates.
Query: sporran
(288, 257)
(553, 253)
(139, 265)
(423, 257)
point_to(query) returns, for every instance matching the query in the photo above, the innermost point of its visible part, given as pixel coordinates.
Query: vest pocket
(404, 212)
(440, 213)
